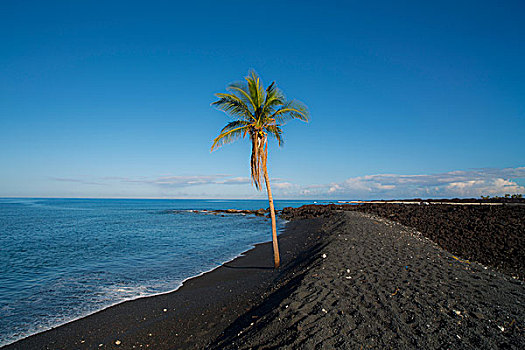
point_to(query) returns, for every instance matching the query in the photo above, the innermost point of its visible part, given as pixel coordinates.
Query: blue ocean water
(61, 259)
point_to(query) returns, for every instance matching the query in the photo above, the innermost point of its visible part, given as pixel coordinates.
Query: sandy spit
(378, 284)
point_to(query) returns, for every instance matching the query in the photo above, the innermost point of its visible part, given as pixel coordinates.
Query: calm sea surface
(61, 259)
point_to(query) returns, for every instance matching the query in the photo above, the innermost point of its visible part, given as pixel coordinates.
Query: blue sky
(407, 99)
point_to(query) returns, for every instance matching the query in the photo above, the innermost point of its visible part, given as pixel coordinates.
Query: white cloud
(459, 183)
(235, 181)
(282, 185)
(166, 181)
(81, 181)
(491, 187)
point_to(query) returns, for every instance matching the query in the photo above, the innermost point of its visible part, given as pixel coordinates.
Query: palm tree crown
(258, 112)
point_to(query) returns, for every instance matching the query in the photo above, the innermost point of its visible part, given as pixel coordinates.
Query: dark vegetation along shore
(368, 276)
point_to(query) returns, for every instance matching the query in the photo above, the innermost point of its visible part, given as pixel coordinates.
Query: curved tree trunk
(276, 259)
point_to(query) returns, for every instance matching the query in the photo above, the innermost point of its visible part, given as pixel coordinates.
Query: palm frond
(255, 89)
(291, 110)
(277, 132)
(233, 105)
(231, 132)
(258, 158)
(274, 98)
(242, 92)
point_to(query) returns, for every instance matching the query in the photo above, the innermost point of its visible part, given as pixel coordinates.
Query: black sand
(349, 280)
(377, 284)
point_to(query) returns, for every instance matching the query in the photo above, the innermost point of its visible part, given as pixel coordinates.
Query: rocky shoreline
(257, 212)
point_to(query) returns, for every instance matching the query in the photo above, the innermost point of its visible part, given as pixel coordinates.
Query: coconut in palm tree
(258, 113)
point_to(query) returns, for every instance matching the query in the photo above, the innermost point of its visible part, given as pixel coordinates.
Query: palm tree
(257, 113)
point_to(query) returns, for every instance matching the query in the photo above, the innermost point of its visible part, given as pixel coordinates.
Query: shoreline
(180, 284)
(208, 284)
(350, 278)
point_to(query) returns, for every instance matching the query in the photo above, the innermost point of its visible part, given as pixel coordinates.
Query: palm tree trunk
(276, 259)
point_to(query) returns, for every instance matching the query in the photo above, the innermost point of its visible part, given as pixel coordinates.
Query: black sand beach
(378, 284)
(349, 280)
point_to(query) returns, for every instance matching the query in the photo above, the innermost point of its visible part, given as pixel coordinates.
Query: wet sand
(349, 280)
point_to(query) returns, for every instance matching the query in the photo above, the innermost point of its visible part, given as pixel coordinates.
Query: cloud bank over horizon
(470, 183)
(458, 183)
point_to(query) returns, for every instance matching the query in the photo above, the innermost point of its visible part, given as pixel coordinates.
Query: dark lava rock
(258, 212)
(309, 211)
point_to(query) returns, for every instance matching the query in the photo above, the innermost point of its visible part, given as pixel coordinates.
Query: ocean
(62, 259)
